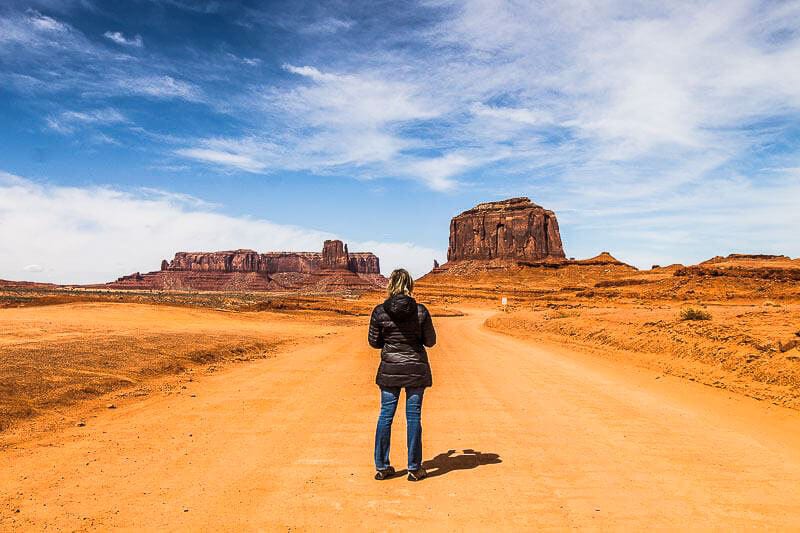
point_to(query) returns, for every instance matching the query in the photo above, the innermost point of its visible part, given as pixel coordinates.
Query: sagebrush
(693, 313)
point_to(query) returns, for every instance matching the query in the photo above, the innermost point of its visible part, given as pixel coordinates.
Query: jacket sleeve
(428, 333)
(375, 336)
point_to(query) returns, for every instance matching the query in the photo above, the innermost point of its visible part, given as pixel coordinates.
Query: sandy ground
(52, 357)
(748, 349)
(517, 435)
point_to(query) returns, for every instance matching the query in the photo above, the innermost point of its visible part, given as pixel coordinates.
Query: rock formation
(334, 256)
(756, 266)
(332, 269)
(364, 263)
(514, 229)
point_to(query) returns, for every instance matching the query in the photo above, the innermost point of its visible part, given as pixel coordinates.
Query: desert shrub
(693, 313)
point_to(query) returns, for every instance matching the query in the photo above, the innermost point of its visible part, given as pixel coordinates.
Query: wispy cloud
(45, 23)
(334, 121)
(248, 155)
(160, 87)
(117, 37)
(328, 25)
(674, 77)
(512, 114)
(45, 55)
(438, 172)
(34, 29)
(198, 6)
(249, 61)
(177, 198)
(577, 93)
(68, 121)
(346, 100)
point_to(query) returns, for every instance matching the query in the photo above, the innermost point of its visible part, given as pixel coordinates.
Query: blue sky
(661, 132)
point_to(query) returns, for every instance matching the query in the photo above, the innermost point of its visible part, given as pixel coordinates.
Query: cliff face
(364, 263)
(334, 256)
(233, 261)
(509, 229)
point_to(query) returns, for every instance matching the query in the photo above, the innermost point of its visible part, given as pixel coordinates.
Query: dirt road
(517, 436)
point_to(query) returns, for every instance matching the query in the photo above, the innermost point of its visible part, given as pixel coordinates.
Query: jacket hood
(400, 307)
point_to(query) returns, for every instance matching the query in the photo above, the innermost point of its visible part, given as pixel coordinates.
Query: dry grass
(694, 313)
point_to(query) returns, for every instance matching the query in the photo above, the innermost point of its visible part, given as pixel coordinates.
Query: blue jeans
(383, 433)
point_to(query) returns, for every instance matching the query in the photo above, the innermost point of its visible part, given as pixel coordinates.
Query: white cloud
(684, 223)
(637, 79)
(58, 126)
(177, 198)
(67, 121)
(418, 260)
(501, 80)
(250, 61)
(44, 55)
(438, 173)
(45, 23)
(96, 234)
(346, 100)
(225, 159)
(198, 6)
(328, 25)
(11, 179)
(160, 87)
(103, 138)
(248, 154)
(33, 268)
(350, 121)
(309, 72)
(521, 115)
(34, 29)
(117, 37)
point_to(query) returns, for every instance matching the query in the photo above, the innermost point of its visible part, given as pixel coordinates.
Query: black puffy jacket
(402, 328)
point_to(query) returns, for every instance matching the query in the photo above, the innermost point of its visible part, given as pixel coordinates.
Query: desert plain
(599, 396)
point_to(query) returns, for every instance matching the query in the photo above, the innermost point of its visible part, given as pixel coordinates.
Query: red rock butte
(513, 229)
(335, 268)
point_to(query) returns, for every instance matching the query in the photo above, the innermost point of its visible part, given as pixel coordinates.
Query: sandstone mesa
(335, 268)
(515, 229)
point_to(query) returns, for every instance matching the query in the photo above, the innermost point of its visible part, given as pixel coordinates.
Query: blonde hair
(400, 282)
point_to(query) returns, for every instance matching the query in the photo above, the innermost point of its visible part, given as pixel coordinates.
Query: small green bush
(692, 313)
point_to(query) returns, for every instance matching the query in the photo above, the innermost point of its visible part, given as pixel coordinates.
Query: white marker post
(504, 303)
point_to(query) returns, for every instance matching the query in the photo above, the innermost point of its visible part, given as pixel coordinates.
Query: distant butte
(513, 229)
(335, 268)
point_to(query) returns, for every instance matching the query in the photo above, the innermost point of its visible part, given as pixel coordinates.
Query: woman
(401, 328)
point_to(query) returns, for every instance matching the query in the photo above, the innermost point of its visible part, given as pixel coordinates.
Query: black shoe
(386, 473)
(417, 475)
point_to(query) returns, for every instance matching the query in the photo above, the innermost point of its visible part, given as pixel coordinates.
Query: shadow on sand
(447, 462)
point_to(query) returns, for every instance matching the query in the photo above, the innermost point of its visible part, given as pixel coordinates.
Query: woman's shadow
(447, 462)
